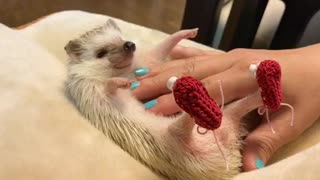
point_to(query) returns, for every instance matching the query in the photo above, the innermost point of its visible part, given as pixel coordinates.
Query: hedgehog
(100, 72)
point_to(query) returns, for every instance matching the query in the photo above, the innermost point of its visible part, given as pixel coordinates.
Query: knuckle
(294, 133)
(208, 85)
(189, 66)
(212, 88)
(238, 51)
(240, 57)
(244, 53)
(244, 64)
(161, 68)
(246, 57)
(156, 83)
(267, 145)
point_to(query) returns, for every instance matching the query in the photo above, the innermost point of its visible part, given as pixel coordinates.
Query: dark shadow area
(164, 15)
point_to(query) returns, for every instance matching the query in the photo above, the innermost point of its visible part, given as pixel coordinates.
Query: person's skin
(300, 83)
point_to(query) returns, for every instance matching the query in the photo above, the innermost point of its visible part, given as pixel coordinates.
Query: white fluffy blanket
(42, 136)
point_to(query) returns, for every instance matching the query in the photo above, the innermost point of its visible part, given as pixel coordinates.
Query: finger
(240, 108)
(261, 144)
(211, 57)
(166, 105)
(235, 83)
(155, 86)
(174, 64)
(182, 52)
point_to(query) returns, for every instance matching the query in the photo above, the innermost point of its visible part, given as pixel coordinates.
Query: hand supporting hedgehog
(193, 98)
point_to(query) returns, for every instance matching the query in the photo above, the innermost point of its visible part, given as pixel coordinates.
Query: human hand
(300, 72)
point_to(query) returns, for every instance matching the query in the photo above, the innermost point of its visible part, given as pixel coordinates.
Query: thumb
(261, 144)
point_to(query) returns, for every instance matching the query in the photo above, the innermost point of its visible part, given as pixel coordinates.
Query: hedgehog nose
(129, 46)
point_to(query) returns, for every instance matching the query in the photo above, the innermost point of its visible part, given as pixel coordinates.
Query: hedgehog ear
(112, 24)
(73, 49)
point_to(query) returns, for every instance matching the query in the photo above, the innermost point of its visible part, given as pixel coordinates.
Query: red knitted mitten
(269, 80)
(194, 99)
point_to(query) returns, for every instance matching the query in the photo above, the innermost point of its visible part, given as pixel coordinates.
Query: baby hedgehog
(100, 69)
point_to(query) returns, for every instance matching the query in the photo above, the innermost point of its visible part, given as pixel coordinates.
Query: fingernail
(150, 104)
(134, 85)
(259, 163)
(141, 71)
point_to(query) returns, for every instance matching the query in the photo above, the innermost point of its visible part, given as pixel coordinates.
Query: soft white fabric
(304, 165)
(42, 136)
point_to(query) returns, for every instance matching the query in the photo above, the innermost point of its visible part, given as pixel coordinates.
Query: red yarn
(194, 99)
(269, 81)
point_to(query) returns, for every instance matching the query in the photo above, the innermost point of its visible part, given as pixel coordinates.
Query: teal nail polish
(259, 163)
(141, 71)
(135, 85)
(150, 104)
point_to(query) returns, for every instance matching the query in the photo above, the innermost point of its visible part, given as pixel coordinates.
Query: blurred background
(224, 24)
(164, 15)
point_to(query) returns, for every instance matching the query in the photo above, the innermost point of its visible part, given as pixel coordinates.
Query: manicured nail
(150, 104)
(141, 71)
(134, 85)
(259, 163)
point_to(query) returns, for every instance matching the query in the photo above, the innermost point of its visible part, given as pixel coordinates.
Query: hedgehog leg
(114, 83)
(183, 126)
(159, 53)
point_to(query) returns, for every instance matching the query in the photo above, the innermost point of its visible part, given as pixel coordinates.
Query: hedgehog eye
(102, 53)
